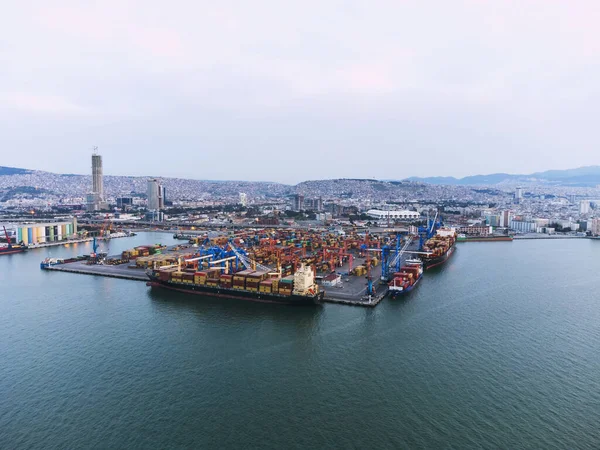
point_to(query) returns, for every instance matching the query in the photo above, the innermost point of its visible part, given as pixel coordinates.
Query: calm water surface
(499, 349)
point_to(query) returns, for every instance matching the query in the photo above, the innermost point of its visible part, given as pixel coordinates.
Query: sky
(292, 91)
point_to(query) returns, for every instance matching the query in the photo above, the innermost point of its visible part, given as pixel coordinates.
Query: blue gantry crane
(428, 231)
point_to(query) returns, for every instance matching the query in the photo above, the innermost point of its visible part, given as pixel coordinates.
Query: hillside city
(510, 207)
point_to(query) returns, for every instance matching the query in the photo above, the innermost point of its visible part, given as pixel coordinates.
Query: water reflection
(173, 302)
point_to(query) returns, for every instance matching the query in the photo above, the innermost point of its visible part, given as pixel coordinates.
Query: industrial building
(40, 233)
(475, 230)
(523, 226)
(403, 215)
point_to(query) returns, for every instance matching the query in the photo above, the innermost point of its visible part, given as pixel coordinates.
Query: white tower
(153, 194)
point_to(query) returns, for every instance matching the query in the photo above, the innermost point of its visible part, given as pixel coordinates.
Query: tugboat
(10, 248)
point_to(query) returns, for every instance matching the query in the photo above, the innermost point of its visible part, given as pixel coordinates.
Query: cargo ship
(439, 248)
(252, 285)
(10, 248)
(407, 279)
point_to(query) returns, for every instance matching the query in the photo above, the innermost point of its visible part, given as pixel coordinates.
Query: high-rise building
(95, 199)
(97, 185)
(243, 199)
(594, 227)
(298, 203)
(584, 207)
(162, 196)
(505, 218)
(155, 193)
(518, 195)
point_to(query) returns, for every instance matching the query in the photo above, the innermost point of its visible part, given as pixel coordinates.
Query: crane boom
(434, 221)
(399, 254)
(7, 238)
(247, 262)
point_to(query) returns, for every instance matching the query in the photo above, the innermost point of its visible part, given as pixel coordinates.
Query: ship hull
(435, 262)
(486, 239)
(261, 297)
(11, 251)
(396, 293)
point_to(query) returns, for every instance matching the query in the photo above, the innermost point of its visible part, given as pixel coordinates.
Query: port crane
(106, 227)
(427, 232)
(8, 240)
(396, 260)
(250, 264)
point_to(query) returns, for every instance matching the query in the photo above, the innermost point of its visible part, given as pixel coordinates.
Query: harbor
(350, 269)
(351, 290)
(128, 340)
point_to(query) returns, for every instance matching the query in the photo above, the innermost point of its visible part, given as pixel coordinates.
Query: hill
(12, 171)
(582, 177)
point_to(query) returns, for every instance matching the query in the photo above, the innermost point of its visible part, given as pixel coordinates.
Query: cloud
(38, 103)
(284, 78)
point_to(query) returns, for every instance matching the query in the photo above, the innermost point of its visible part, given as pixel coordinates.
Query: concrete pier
(122, 271)
(351, 291)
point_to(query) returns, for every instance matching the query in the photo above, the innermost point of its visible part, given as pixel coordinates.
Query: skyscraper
(152, 193)
(97, 186)
(162, 196)
(518, 195)
(243, 199)
(156, 195)
(95, 199)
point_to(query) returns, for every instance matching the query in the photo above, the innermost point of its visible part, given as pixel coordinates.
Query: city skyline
(589, 172)
(419, 90)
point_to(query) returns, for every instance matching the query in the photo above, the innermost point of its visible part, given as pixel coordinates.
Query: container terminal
(272, 265)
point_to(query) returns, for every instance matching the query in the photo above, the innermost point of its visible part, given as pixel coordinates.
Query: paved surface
(121, 271)
(352, 290)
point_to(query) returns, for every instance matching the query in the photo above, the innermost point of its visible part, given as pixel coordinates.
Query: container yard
(272, 265)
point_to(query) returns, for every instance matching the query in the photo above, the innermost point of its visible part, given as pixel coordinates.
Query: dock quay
(75, 241)
(339, 264)
(361, 301)
(122, 271)
(126, 272)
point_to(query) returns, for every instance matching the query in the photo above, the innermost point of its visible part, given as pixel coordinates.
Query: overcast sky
(289, 91)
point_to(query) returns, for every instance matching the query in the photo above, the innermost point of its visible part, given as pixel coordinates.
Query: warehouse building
(379, 214)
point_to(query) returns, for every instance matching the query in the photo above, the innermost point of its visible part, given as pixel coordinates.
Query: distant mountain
(12, 171)
(582, 176)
